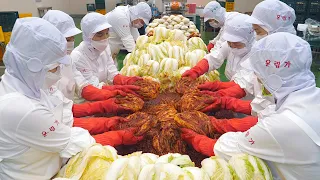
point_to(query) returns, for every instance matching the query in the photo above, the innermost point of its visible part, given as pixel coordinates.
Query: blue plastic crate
(7, 20)
(300, 18)
(314, 6)
(301, 6)
(291, 3)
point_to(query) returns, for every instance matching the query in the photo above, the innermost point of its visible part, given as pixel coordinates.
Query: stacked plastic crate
(305, 9)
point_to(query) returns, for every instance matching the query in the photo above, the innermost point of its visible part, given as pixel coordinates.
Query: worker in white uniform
(272, 16)
(266, 14)
(93, 56)
(72, 80)
(125, 22)
(64, 90)
(33, 138)
(217, 17)
(282, 63)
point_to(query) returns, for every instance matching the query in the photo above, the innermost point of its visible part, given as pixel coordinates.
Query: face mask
(70, 46)
(258, 37)
(100, 45)
(239, 52)
(51, 79)
(214, 24)
(138, 25)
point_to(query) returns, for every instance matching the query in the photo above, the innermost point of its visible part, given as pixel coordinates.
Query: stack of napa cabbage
(102, 162)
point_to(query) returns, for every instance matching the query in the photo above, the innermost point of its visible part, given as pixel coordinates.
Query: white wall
(23, 6)
(30, 6)
(79, 6)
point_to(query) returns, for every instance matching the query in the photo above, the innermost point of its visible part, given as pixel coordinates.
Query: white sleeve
(111, 67)
(135, 33)
(246, 79)
(121, 26)
(40, 130)
(217, 57)
(257, 141)
(217, 38)
(84, 68)
(81, 82)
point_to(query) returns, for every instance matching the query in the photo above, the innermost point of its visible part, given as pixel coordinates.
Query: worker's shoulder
(117, 15)
(15, 106)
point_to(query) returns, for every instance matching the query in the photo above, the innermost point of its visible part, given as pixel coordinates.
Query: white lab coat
(97, 69)
(280, 140)
(218, 40)
(121, 33)
(33, 137)
(216, 59)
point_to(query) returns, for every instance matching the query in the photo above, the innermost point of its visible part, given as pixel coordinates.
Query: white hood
(91, 24)
(63, 22)
(35, 44)
(274, 16)
(140, 11)
(237, 30)
(282, 61)
(213, 10)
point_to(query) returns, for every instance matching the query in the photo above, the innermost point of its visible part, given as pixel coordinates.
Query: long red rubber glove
(233, 125)
(125, 88)
(233, 91)
(216, 85)
(228, 103)
(89, 109)
(116, 138)
(200, 143)
(91, 93)
(201, 68)
(98, 125)
(210, 46)
(125, 80)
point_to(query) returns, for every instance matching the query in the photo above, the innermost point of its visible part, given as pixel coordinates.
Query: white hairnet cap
(63, 22)
(274, 16)
(141, 11)
(213, 10)
(282, 62)
(35, 44)
(237, 30)
(93, 23)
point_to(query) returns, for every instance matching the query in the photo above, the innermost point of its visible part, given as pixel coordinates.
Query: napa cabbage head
(217, 168)
(248, 167)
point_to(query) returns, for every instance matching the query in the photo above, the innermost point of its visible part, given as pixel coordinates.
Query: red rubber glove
(89, 109)
(210, 46)
(116, 138)
(125, 80)
(216, 85)
(91, 93)
(125, 88)
(201, 68)
(200, 143)
(228, 103)
(98, 125)
(234, 91)
(233, 125)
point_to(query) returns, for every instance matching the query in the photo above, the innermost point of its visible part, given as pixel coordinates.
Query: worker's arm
(121, 26)
(39, 129)
(216, 58)
(111, 68)
(85, 69)
(81, 82)
(257, 141)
